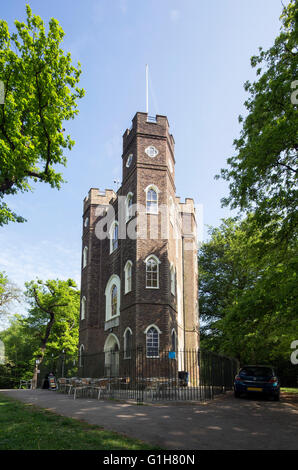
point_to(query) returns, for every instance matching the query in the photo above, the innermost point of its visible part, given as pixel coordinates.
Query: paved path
(224, 423)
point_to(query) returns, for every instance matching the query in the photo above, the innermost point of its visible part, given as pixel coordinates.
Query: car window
(256, 372)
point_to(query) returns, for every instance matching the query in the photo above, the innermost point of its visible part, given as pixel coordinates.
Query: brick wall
(142, 306)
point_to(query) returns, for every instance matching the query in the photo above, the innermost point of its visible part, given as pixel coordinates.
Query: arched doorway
(111, 350)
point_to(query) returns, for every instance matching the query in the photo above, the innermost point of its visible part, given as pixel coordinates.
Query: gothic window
(173, 280)
(114, 299)
(114, 237)
(83, 308)
(129, 160)
(129, 203)
(81, 355)
(112, 293)
(128, 277)
(85, 256)
(152, 342)
(152, 272)
(151, 200)
(86, 223)
(127, 343)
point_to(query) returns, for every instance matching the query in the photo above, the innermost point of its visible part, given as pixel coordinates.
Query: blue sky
(198, 53)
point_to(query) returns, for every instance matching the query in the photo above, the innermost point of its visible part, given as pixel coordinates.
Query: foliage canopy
(263, 172)
(40, 93)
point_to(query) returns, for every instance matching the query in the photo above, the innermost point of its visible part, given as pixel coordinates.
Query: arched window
(129, 204)
(152, 341)
(152, 199)
(127, 343)
(112, 293)
(85, 256)
(114, 301)
(173, 280)
(129, 160)
(114, 236)
(152, 272)
(81, 356)
(173, 340)
(83, 308)
(111, 350)
(128, 277)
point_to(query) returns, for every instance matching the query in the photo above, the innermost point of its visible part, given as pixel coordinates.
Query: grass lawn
(289, 390)
(26, 427)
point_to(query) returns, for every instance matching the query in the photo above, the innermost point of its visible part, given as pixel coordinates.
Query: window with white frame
(129, 160)
(152, 200)
(151, 151)
(112, 293)
(152, 341)
(128, 277)
(173, 280)
(114, 301)
(152, 272)
(127, 343)
(85, 256)
(83, 308)
(129, 204)
(114, 236)
(81, 355)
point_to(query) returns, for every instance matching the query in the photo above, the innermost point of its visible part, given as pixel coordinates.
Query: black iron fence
(180, 375)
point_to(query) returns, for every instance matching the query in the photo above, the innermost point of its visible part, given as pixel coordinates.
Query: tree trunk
(35, 373)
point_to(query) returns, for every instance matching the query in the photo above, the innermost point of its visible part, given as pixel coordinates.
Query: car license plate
(254, 389)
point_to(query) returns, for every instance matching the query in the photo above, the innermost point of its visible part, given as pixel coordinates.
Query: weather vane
(117, 183)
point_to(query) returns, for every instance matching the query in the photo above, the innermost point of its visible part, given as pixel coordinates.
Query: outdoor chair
(62, 384)
(81, 386)
(100, 386)
(26, 383)
(73, 381)
(151, 385)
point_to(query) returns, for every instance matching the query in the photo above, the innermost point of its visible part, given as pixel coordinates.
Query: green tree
(53, 318)
(247, 293)
(40, 93)
(9, 293)
(20, 346)
(262, 174)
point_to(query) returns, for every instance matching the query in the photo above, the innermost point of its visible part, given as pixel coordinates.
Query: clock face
(129, 160)
(151, 151)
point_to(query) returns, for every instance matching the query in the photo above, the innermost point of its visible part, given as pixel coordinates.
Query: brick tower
(139, 255)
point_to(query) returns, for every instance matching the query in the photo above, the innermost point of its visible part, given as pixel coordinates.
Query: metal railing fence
(172, 375)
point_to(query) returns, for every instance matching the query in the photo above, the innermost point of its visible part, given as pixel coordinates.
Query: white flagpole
(147, 89)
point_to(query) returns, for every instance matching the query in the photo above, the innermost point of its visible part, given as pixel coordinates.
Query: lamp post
(63, 361)
(36, 371)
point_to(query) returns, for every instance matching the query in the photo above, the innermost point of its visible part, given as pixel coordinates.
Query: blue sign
(172, 355)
